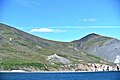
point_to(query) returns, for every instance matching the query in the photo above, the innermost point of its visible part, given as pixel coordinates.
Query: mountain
(104, 47)
(21, 50)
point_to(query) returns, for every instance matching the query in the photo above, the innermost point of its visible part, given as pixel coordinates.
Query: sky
(63, 20)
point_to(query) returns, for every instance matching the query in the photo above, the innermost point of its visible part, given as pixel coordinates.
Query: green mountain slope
(20, 50)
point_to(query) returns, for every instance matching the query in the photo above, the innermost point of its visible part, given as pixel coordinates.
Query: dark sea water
(60, 76)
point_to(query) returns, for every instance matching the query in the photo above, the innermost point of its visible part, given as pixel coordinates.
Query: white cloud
(92, 19)
(63, 28)
(87, 27)
(46, 30)
(87, 20)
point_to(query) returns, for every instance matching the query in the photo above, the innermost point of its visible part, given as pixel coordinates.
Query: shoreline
(53, 71)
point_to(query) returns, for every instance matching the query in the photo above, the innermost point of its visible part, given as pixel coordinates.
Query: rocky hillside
(104, 47)
(20, 50)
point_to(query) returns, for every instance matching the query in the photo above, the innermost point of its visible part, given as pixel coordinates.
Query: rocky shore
(89, 67)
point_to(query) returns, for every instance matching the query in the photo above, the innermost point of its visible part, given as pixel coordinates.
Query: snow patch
(76, 49)
(60, 59)
(117, 60)
(10, 39)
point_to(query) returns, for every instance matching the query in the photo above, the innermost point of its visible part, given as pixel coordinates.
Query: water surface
(60, 75)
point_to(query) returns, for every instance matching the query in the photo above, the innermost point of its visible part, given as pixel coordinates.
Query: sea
(111, 75)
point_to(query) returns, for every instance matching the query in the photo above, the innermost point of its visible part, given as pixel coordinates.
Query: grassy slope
(29, 51)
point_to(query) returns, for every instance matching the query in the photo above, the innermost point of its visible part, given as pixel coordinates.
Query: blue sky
(63, 20)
